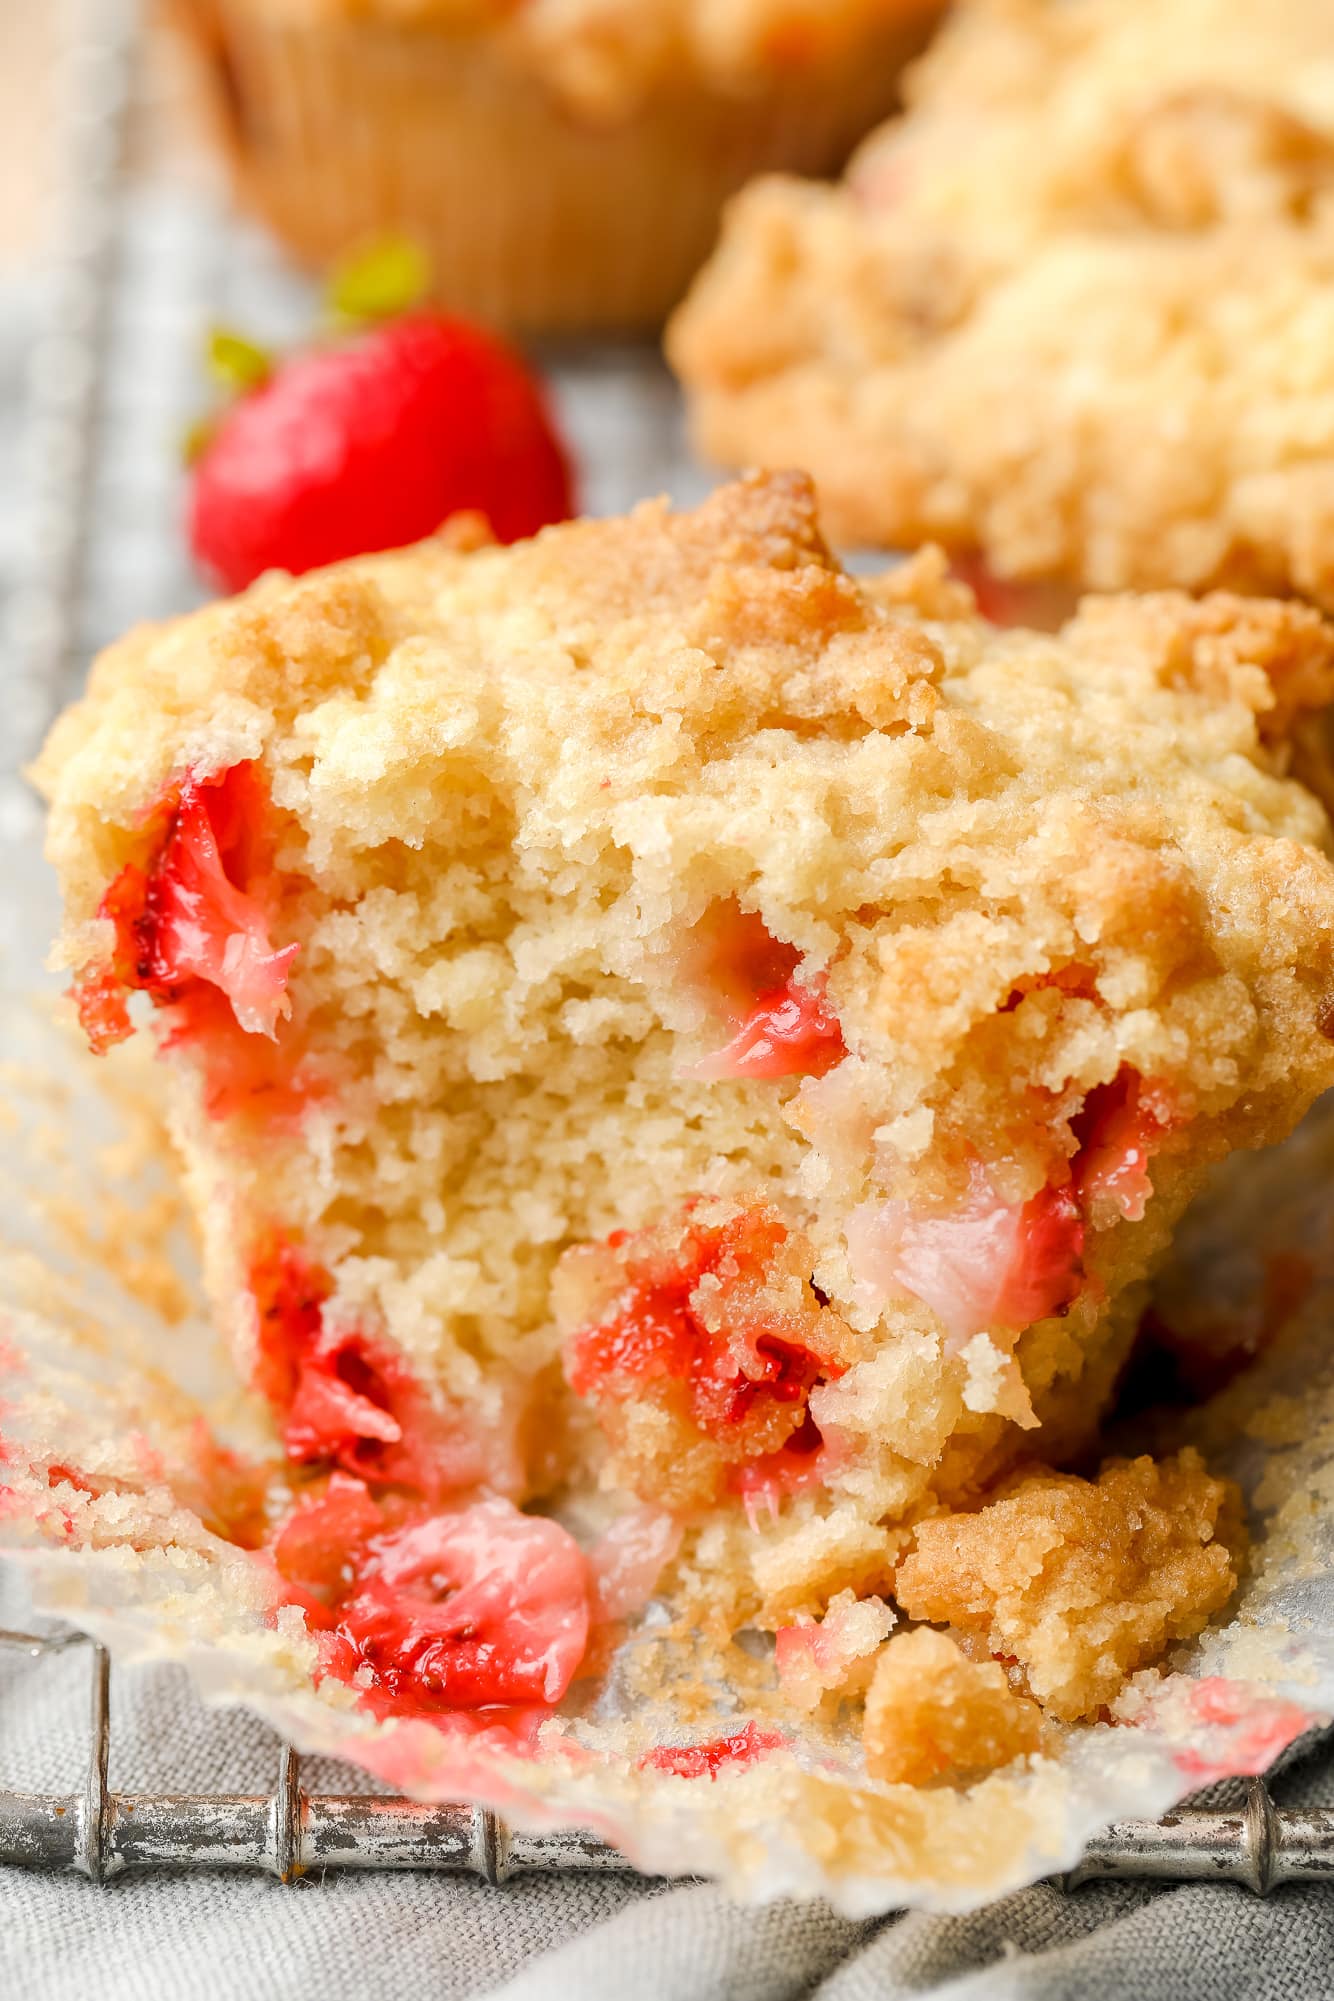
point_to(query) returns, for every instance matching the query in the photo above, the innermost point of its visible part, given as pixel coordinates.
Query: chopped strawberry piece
(1122, 1125)
(627, 1561)
(988, 1264)
(103, 1015)
(782, 1373)
(666, 1322)
(59, 1475)
(197, 924)
(1046, 1270)
(814, 1656)
(427, 1613)
(705, 1761)
(765, 1481)
(782, 1028)
(289, 1293)
(343, 1395)
(194, 923)
(710, 1321)
(655, 1334)
(790, 1032)
(241, 1074)
(985, 1265)
(329, 1417)
(732, 957)
(1041, 604)
(320, 1546)
(459, 1611)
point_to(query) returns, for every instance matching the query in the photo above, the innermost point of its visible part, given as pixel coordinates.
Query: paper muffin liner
(534, 215)
(107, 1366)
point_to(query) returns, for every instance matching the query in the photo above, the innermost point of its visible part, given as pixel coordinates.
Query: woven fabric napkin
(216, 1937)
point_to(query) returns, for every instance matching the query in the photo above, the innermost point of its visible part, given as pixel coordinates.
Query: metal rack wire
(287, 1833)
(291, 1834)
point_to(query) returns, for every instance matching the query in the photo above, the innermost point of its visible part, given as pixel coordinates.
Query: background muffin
(563, 162)
(1073, 313)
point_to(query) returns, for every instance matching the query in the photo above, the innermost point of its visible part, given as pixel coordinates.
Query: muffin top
(1072, 311)
(604, 53)
(645, 694)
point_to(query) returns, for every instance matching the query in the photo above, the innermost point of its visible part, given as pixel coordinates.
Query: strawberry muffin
(562, 161)
(666, 1037)
(1071, 315)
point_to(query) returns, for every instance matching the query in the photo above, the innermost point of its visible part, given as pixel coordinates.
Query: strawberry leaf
(379, 280)
(235, 363)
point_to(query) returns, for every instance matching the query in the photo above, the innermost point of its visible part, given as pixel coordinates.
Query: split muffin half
(666, 1036)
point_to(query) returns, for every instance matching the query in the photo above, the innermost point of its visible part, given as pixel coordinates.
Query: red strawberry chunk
(790, 1032)
(985, 1265)
(782, 1028)
(1123, 1124)
(346, 1397)
(58, 1475)
(268, 1081)
(196, 915)
(372, 444)
(705, 1761)
(199, 925)
(322, 1543)
(432, 1613)
(329, 1418)
(764, 1482)
(988, 1264)
(656, 1330)
(458, 1611)
(1046, 1269)
(654, 1334)
(732, 957)
(100, 999)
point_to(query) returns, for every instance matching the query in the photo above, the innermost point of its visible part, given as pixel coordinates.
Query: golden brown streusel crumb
(931, 1713)
(1073, 311)
(674, 1027)
(1082, 1581)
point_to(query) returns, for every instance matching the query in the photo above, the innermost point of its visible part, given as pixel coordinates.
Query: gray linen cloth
(552, 1938)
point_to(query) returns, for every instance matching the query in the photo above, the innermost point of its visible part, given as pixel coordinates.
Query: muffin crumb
(931, 1713)
(1080, 1581)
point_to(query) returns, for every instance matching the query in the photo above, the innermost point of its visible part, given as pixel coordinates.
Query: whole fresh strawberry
(368, 443)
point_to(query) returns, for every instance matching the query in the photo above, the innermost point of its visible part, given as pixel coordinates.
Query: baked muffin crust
(1071, 313)
(605, 54)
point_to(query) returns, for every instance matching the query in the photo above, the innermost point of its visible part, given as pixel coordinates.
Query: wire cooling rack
(140, 273)
(291, 1834)
(287, 1833)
